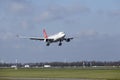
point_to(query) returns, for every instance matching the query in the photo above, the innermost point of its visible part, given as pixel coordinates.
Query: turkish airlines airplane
(59, 37)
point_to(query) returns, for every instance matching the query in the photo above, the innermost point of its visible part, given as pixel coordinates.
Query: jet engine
(67, 40)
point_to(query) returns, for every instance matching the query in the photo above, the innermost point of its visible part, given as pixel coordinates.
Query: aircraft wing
(36, 38)
(74, 36)
(68, 39)
(41, 39)
(31, 38)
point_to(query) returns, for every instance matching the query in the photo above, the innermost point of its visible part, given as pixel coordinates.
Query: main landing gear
(47, 44)
(60, 44)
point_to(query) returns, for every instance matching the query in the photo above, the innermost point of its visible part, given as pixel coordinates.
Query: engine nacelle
(67, 40)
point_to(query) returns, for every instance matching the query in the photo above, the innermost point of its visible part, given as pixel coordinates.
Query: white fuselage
(57, 37)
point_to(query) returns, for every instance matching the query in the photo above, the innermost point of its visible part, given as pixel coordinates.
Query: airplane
(59, 37)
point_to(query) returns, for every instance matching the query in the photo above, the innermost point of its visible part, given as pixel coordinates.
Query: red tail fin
(45, 34)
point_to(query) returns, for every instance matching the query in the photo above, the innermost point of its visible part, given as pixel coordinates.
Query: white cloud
(114, 13)
(24, 24)
(89, 33)
(6, 36)
(57, 12)
(17, 7)
(110, 13)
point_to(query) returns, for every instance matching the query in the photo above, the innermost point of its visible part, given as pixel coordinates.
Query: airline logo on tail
(45, 34)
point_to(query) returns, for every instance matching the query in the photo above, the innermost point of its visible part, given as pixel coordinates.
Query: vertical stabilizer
(45, 34)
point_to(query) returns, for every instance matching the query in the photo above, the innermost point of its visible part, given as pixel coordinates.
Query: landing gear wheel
(60, 44)
(47, 44)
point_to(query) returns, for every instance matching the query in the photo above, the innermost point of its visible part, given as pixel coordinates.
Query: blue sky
(96, 21)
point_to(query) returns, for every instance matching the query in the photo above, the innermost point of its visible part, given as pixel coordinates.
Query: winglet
(45, 34)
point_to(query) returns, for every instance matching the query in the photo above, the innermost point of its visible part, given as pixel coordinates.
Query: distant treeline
(64, 64)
